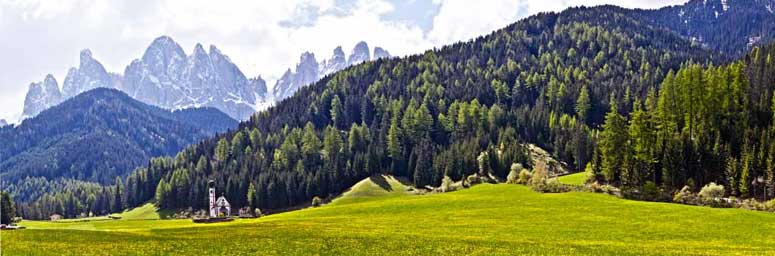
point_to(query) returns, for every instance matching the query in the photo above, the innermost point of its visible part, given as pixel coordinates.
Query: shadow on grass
(381, 182)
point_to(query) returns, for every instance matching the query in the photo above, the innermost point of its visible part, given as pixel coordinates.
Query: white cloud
(461, 20)
(41, 36)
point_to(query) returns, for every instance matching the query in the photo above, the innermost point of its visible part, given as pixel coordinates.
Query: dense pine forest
(704, 124)
(637, 105)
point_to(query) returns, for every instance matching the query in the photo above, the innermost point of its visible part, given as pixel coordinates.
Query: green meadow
(380, 216)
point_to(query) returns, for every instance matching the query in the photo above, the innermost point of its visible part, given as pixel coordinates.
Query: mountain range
(309, 70)
(165, 76)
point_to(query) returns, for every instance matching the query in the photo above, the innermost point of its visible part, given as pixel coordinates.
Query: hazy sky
(262, 37)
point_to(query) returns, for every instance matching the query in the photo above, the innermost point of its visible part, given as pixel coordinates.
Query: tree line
(704, 124)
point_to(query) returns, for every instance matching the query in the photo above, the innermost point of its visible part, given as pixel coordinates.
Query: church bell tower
(211, 193)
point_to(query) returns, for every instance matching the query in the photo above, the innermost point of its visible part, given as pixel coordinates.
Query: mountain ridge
(167, 77)
(100, 134)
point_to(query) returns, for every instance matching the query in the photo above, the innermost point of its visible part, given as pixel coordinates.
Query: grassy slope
(145, 212)
(374, 186)
(484, 220)
(573, 179)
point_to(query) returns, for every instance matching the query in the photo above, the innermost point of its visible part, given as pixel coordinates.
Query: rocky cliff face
(166, 77)
(41, 95)
(309, 71)
(90, 74)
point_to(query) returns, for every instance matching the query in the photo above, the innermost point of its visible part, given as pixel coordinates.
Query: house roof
(221, 202)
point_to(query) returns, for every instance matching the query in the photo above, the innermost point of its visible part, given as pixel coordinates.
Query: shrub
(541, 182)
(447, 184)
(770, 205)
(611, 190)
(258, 213)
(752, 204)
(540, 174)
(591, 175)
(316, 201)
(513, 177)
(524, 176)
(651, 192)
(710, 194)
(685, 196)
(473, 180)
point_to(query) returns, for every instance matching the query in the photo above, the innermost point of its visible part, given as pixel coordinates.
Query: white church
(219, 207)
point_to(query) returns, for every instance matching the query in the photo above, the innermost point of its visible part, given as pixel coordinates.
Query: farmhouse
(55, 217)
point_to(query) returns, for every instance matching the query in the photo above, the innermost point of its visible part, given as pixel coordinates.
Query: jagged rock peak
(359, 54)
(338, 52)
(41, 95)
(90, 74)
(380, 53)
(85, 55)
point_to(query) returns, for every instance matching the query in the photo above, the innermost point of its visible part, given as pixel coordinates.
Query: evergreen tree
(613, 144)
(7, 208)
(251, 197)
(222, 150)
(643, 140)
(583, 105)
(118, 203)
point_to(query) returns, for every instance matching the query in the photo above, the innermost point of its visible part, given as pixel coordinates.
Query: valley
(599, 130)
(483, 220)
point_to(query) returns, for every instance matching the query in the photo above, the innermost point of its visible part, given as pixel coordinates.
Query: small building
(55, 217)
(223, 208)
(218, 207)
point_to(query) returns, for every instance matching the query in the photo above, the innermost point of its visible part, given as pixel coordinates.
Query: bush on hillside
(685, 196)
(316, 201)
(540, 175)
(711, 194)
(770, 205)
(473, 180)
(651, 192)
(514, 174)
(447, 184)
(541, 182)
(524, 176)
(590, 172)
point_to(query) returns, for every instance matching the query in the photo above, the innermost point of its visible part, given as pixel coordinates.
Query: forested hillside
(468, 108)
(93, 138)
(705, 124)
(731, 26)
(455, 111)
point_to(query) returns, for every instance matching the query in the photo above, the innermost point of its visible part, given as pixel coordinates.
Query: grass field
(573, 179)
(370, 219)
(145, 212)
